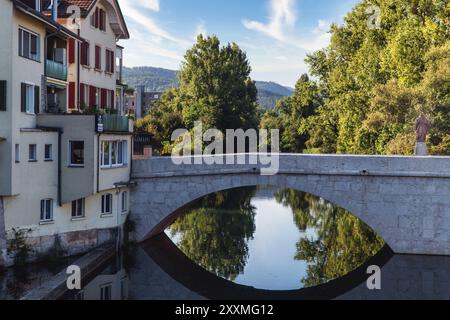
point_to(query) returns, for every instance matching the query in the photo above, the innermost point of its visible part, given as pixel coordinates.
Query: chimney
(55, 10)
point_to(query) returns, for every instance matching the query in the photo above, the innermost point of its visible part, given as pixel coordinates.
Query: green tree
(291, 115)
(376, 81)
(215, 88)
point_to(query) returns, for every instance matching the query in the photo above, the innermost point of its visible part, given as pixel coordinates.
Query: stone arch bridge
(406, 200)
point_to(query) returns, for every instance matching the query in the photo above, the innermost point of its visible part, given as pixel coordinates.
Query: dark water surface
(263, 243)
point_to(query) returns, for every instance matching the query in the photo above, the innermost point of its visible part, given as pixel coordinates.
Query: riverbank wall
(56, 288)
(64, 244)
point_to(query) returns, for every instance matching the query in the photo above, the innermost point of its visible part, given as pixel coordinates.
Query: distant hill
(159, 79)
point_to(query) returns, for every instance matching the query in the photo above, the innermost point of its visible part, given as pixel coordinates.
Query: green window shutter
(2, 95)
(37, 100)
(23, 99)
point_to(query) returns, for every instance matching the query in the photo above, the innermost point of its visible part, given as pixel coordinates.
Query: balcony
(113, 123)
(55, 70)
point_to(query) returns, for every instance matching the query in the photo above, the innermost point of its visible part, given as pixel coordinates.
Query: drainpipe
(55, 10)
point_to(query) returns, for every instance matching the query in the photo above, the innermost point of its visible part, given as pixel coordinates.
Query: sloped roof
(84, 5)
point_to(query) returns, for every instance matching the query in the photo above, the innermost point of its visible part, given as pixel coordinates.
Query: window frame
(29, 98)
(124, 202)
(76, 165)
(120, 153)
(50, 158)
(46, 208)
(103, 292)
(32, 148)
(76, 204)
(107, 199)
(17, 153)
(37, 56)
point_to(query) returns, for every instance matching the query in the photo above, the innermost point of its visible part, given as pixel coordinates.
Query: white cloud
(282, 15)
(151, 4)
(133, 10)
(281, 27)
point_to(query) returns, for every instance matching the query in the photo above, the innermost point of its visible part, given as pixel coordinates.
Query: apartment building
(65, 147)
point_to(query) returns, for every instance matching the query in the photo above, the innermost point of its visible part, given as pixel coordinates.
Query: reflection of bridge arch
(403, 199)
(187, 273)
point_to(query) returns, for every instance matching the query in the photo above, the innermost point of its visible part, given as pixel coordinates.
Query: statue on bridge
(422, 129)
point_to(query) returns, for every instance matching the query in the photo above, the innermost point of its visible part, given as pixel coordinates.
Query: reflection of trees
(343, 242)
(214, 232)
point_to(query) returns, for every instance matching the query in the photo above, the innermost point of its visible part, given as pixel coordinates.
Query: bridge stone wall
(406, 200)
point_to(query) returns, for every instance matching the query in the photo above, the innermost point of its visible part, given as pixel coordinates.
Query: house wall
(25, 70)
(109, 176)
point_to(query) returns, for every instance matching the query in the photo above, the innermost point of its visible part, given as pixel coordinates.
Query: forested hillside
(158, 79)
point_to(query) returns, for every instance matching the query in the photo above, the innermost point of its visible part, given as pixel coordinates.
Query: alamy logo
(74, 278)
(374, 281)
(242, 147)
(374, 20)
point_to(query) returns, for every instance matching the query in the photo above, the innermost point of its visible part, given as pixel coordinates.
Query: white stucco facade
(36, 147)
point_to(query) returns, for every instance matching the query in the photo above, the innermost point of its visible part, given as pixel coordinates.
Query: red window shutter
(97, 12)
(98, 64)
(92, 96)
(103, 98)
(102, 20)
(112, 62)
(82, 102)
(71, 95)
(71, 50)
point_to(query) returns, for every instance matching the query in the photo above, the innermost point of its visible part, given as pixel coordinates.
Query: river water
(265, 243)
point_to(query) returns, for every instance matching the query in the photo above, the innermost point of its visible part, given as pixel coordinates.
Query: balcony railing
(112, 123)
(56, 70)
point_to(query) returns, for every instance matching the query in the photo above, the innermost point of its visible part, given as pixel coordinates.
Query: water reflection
(273, 239)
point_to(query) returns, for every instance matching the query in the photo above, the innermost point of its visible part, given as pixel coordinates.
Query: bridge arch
(403, 199)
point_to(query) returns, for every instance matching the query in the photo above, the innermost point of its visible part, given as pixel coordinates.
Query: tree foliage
(215, 88)
(376, 82)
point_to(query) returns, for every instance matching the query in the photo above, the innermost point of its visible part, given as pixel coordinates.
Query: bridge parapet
(297, 164)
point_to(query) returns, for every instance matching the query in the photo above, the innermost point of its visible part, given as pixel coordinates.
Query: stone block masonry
(404, 199)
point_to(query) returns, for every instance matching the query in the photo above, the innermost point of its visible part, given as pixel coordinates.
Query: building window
(107, 204)
(29, 98)
(125, 201)
(109, 61)
(17, 152)
(113, 153)
(98, 57)
(29, 45)
(123, 288)
(48, 152)
(85, 54)
(32, 152)
(3, 95)
(76, 153)
(105, 292)
(46, 210)
(98, 19)
(78, 208)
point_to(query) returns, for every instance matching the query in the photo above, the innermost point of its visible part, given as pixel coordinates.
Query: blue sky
(276, 34)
